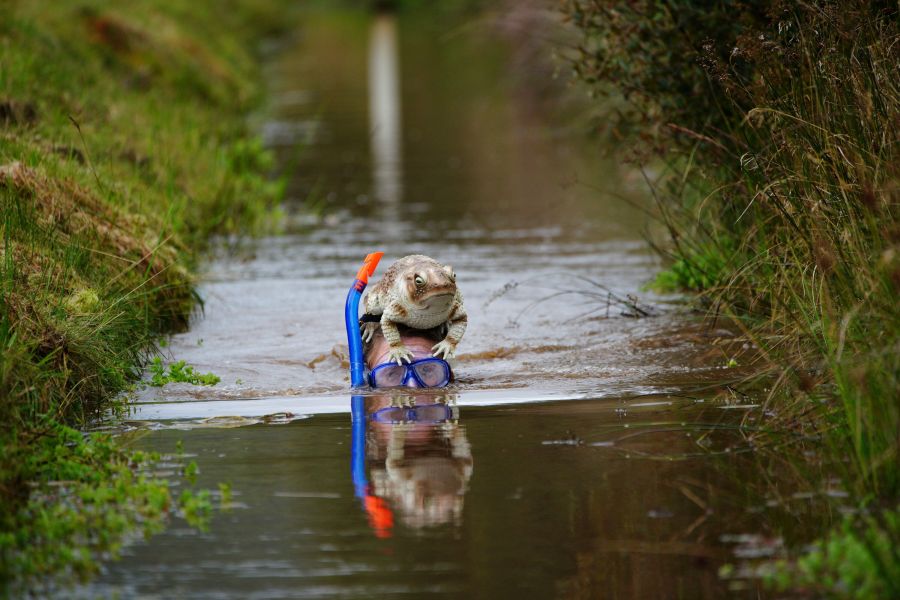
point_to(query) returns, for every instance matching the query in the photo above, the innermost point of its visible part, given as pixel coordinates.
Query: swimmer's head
(419, 343)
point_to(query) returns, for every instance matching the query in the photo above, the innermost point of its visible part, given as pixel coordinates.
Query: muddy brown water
(575, 457)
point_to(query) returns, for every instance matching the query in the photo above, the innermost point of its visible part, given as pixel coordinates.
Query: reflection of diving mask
(430, 413)
(427, 373)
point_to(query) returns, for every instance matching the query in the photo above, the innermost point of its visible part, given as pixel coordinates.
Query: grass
(778, 123)
(123, 146)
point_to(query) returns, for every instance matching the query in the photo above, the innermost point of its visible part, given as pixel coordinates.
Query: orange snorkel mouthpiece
(369, 266)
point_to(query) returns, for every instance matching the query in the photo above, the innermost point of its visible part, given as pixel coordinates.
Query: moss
(83, 302)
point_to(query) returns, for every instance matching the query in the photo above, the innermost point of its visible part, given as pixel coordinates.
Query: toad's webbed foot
(400, 353)
(446, 348)
(367, 330)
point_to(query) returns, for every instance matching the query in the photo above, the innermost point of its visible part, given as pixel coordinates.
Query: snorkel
(380, 516)
(351, 319)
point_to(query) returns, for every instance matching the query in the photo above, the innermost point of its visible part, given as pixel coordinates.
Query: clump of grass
(179, 372)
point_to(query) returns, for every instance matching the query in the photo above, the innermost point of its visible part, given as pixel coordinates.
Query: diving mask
(426, 372)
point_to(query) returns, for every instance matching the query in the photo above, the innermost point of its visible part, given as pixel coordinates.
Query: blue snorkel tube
(358, 377)
(351, 319)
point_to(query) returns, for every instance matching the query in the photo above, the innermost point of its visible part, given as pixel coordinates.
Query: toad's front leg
(373, 306)
(367, 331)
(457, 327)
(398, 351)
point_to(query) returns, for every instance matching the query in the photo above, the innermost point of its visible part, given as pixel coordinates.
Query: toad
(421, 293)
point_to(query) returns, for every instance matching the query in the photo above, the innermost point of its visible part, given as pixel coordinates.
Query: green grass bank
(123, 146)
(778, 127)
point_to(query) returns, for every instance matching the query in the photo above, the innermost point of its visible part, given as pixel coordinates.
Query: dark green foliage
(672, 61)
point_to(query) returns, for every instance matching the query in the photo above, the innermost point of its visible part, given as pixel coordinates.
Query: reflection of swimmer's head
(425, 474)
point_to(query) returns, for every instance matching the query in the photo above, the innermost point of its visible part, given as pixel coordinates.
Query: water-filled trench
(579, 453)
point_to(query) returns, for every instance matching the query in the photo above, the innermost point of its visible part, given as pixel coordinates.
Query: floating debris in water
(751, 545)
(570, 440)
(281, 418)
(232, 421)
(312, 364)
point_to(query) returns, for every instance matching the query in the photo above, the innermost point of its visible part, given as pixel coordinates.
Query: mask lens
(388, 376)
(433, 373)
(433, 413)
(391, 414)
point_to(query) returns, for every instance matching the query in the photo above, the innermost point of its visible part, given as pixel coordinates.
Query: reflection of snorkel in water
(417, 452)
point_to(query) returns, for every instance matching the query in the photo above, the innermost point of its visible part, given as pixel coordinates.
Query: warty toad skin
(419, 292)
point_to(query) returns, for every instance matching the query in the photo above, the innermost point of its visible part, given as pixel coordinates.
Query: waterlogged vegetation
(859, 558)
(178, 372)
(94, 496)
(123, 145)
(776, 124)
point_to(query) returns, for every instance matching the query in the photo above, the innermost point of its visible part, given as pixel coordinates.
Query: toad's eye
(420, 281)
